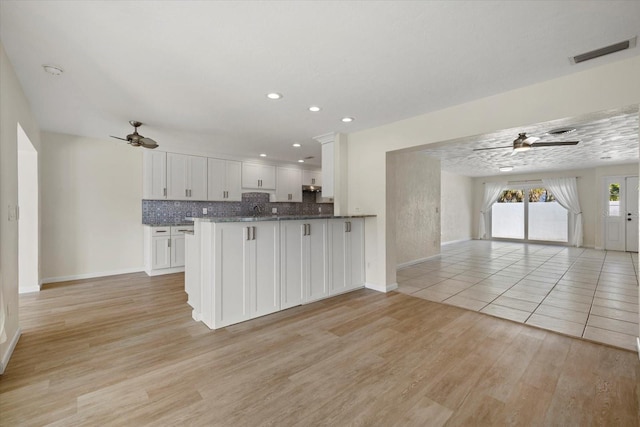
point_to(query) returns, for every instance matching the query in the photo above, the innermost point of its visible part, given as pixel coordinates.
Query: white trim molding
(91, 275)
(451, 242)
(638, 346)
(382, 288)
(416, 261)
(30, 289)
(12, 345)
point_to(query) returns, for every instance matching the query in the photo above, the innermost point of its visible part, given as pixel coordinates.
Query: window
(529, 214)
(614, 199)
(507, 215)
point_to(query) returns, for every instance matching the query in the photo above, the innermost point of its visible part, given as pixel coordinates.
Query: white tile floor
(575, 291)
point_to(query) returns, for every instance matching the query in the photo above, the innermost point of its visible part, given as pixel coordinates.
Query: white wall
(28, 222)
(91, 207)
(416, 202)
(14, 109)
(570, 96)
(458, 194)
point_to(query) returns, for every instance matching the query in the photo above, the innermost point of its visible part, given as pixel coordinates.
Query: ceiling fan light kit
(135, 139)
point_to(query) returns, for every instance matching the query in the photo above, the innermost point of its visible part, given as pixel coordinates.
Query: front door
(621, 213)
(631, 203)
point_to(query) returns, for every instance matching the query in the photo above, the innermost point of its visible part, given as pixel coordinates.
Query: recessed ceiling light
(296, 145)
(274, 95)
(347, 119)
(506, 168)
(53, 69)
(300, 161)
(314, 108)
(263, 155)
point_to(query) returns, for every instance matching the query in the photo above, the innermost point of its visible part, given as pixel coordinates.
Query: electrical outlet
(274, 210)
(204, 211)
(320, 209)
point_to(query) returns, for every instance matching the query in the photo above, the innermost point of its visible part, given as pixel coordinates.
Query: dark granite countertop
(273, 218)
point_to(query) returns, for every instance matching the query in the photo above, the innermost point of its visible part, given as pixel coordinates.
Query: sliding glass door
(529, 214)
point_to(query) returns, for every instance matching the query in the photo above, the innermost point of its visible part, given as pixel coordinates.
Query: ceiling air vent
(617, 47)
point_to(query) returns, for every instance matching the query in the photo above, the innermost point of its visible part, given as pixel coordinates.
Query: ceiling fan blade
(117, 137)
(554, 144)
(148, 143)
(492, 148)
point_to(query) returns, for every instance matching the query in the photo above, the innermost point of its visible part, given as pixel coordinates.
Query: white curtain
(492, 191)
(565, 191)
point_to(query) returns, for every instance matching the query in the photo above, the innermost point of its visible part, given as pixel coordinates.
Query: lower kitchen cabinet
(304, 266)
(249, 269)
(244, 273)
(346, 262)
(164, 249)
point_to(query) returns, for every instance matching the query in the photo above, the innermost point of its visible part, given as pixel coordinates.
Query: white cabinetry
(224, 180)
(312, 178)
(258, 176)
(289, 185)
(346, 243)
(186, 177)
(164, 249)
(154, 182)
(304, 263)
(244, 273)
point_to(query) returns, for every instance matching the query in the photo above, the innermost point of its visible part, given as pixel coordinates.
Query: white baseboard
(382, 288)
(12, 345)
(29, 290)
(451, 242)
(196, 316)
(91, 275)
(415, 261)
(164, 271)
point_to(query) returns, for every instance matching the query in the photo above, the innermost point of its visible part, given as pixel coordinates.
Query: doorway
(28, 252)
(621, 213)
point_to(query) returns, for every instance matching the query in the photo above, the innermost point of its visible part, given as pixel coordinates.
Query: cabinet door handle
(346, 227)
(254, 233)
(164, 192)
(248, 233)
(313, 180)
(308, 229)
(169, 243)
(161, 231)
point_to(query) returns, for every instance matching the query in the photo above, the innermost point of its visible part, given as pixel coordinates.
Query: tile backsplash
(175, 211)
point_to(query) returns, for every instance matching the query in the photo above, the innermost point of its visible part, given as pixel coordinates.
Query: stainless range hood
(312, 188)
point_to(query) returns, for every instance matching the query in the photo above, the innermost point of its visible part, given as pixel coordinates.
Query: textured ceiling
(196, 72)
(612, 134)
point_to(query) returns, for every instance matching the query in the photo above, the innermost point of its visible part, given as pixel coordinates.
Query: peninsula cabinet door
(232, 263)
(347, 254)
(264, 253)
(247, 282)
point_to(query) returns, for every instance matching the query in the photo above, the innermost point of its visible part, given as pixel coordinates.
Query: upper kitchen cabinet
(154, 183)
(289, 185)
(312, 178)
(186, 177)
(224, 180)
(259, 177)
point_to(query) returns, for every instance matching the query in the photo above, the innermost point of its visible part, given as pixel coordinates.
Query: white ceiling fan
(526, 143)
(137, 140)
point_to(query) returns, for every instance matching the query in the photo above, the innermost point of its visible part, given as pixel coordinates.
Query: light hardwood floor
(124, 351)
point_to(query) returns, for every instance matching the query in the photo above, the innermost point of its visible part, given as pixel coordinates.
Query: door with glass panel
(621, 213)
(529, 214)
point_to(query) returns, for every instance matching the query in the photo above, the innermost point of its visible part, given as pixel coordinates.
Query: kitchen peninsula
(240, 268)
